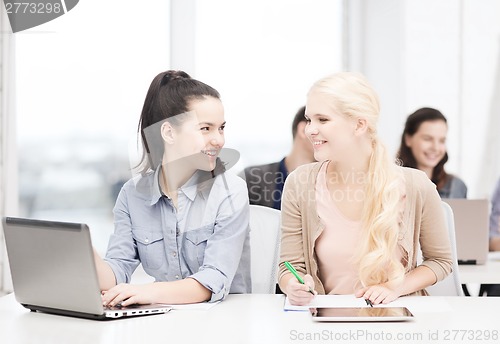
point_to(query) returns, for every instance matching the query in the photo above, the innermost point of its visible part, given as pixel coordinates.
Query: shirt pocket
(195, 245)
(150, 248)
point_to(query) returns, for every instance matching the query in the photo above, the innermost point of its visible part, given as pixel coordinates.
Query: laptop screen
(471, 229)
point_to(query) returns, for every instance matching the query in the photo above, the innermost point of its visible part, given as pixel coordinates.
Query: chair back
(451, 285)
(265, 229)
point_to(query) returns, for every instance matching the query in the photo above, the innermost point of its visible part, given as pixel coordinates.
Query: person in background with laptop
(423, 146)
(183, 218)
(353, 221)
(265, 182)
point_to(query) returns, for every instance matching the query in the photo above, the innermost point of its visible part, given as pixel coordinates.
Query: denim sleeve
(225, 246)
(495, 213)
(122, 254)
(458, 189)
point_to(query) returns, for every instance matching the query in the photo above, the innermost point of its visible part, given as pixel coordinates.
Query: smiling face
(200, 137)
(331, 134)
(428, 144)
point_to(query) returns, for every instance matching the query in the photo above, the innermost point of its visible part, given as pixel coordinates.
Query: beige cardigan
(423, 221)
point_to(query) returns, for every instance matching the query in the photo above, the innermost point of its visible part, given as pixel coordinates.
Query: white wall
(375, 42)
(481, 94)
(443, 54)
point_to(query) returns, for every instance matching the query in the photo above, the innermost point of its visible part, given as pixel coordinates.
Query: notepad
(328, 301)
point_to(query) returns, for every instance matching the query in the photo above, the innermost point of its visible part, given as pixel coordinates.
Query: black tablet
(361, 314)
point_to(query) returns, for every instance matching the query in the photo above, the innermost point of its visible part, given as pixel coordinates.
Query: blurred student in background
(423, 146)
(265, 182)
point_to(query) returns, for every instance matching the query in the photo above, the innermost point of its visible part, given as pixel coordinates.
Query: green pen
(297, 276)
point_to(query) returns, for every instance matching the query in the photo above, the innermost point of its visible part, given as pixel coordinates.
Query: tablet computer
(361, 314)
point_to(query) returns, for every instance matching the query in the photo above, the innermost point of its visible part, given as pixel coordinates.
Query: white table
(254, 318)
(488, 273)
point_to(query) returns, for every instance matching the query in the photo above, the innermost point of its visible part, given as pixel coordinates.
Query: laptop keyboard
(119, 307)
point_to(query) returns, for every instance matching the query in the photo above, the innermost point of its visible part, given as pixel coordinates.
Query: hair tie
(172, 75)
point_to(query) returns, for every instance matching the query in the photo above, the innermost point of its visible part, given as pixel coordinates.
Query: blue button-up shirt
(495, 212)
(206, 238)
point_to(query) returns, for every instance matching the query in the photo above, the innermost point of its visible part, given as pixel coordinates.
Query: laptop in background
(53, 270)
(471, 229)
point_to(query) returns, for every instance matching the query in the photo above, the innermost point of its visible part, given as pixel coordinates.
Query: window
(81, 81)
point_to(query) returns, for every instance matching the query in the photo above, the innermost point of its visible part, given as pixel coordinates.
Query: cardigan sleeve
(434, 237)
(291, 227)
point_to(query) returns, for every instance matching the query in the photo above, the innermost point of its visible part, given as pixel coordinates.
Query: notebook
(471, 229)
(53, 270)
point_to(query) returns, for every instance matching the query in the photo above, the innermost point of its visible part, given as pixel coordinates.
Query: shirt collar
(200, 182)
(156, 192)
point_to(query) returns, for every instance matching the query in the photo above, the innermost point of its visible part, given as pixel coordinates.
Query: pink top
(335, 246)
(422, 224)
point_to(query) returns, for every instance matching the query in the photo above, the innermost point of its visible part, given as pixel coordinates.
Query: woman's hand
(298, 293)
(128, 294)
(380, 293)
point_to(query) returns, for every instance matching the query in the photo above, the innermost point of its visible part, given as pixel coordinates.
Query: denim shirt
(454, 188)
(495, 213)
(206, 238)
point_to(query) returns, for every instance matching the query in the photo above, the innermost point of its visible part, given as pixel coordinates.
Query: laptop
(471, 229)
(53, 270)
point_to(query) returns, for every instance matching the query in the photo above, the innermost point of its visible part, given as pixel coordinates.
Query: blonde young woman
(352, 222)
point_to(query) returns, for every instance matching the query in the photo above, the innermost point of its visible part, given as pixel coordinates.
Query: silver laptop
(471, 229)
(53, 270)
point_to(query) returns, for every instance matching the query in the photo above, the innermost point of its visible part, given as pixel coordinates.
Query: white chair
(450, 286)
(265, 229)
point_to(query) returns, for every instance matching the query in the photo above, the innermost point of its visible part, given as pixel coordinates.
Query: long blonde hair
(352, 96)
